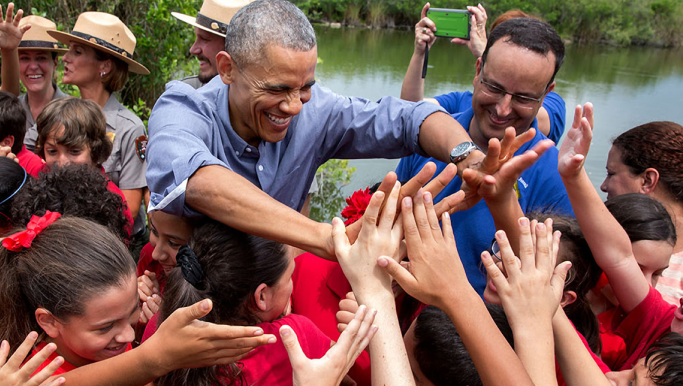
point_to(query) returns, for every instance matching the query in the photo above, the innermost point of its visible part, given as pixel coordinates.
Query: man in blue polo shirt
(513, 76)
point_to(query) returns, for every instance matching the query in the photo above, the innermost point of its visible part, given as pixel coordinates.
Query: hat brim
(59, 51)
(66, 38)
(193, 21)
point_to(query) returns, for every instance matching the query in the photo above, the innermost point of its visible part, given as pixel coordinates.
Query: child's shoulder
(64, 368)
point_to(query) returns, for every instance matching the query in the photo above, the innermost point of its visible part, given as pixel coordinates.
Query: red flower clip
(23, 239)
(358, 202)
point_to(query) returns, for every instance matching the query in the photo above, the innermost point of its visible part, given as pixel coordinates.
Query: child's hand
(577, 142)
(6, 151)
(330, 369)
(531, 293)
(148, 285)
(10, 33)
(435, 274)
(149, 307)
(13, 373)
(358, 261)
(347, 311)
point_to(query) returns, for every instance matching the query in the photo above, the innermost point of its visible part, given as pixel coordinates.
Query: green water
(628, 86)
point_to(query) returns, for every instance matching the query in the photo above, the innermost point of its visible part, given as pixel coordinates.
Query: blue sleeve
(181, 140)
(455, 102)
(555, 106)
(360, 128)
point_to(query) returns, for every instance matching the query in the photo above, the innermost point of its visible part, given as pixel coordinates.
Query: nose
(195, 50)
(158, 254)
(619, 378)
(127, 335)
(603, 186)
(63, 160)
(293, 104)
(66, 58)
(504, 106)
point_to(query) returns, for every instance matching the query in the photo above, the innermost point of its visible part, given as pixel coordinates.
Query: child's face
(168, 234)
(638, 375)
(652, 257)
(410, 342)
(36, 69)
(61, 155)
(280, 296)
(104, 330)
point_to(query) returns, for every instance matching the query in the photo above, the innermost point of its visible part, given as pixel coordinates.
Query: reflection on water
(628, 86)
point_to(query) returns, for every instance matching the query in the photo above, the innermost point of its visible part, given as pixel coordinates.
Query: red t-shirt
(30, 161)
(613, 346)
(64, 368)
(643, 326)
(269, 364)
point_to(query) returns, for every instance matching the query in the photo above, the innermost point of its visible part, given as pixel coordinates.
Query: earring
(102, 74)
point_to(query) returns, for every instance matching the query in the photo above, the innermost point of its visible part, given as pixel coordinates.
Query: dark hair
(655, 145)
(234, 265)
(12, 120)
(533, 34)
(68, 263)
(440, 352)
(664, 360)
(581, 278)
(115, 79)
(642, 217)
(73, 190)
(84, 125)
(11, 178)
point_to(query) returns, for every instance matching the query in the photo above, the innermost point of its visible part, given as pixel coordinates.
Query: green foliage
(329, 201)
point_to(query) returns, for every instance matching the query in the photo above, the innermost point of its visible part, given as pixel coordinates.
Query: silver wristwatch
(461, 151)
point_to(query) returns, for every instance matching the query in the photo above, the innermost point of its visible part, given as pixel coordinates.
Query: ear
(226, 67)
(478, 74)
(650, 180)
(47, 322)
(7, 141)
(262, 297)
(550, 88)
(106, 66)
(568, 297)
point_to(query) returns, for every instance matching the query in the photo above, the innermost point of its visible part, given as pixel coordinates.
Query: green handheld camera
(451, 23)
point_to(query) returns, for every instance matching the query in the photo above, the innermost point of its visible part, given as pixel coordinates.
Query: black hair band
(189, 265)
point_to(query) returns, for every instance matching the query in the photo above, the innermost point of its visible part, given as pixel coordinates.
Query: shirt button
(237, 152)
(248, 150)
(260, 168)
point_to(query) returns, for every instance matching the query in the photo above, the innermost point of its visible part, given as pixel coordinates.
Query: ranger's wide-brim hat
(104, 32)
(214, 16)
(37, 38)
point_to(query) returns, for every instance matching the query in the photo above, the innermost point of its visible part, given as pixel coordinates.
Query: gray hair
(266, 22)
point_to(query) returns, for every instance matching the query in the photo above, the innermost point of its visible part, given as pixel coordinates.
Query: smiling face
(265, 96)
(167, 234)
(206, 46)
(81, 66)
(516, 70)
(105, 328)
(36, 70)
(62, 155)
(619, 180)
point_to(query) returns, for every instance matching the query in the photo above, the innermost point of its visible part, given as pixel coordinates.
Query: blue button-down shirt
(190, 129)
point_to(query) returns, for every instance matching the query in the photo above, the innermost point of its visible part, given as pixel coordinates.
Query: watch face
(460, 149)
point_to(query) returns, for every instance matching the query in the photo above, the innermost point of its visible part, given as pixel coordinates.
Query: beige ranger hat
(104, 32)
(37, 38)
(214, 16)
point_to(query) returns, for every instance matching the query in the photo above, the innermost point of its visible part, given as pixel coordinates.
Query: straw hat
(214, 16)
(37, 38)
(104, 32)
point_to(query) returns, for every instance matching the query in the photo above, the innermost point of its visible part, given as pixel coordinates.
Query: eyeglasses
(495, 250)
(521, 101)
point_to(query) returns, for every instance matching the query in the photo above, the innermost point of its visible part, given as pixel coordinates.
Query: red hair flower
(357, 204)
(23, 239)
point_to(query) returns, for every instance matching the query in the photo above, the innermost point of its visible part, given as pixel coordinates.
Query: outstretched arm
(10, 37)
(413, 83)
(436, 277)
(608, 241)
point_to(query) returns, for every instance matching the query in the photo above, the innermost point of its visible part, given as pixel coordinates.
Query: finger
(10, 11)
(507, 255)
(506, 144)
(294, 351)
(577, 116)
(448, 234)
(431, 216)
(350, 295)
(494, 273)
(526, 243)
(556, 244)
(154, 303)
(186, 315)
(411, 187)
(341, 241)
(371, 212)
(366, 332)
(450, 204)
(588, 113)
(385, 186)
(412, 235)
(55, 382)
(38, 360)
(15, 360)
(560, 275)
(492, 159)
(341, 327)
(404, 278)
(424, 10)
(389, 212)
(421, 220)
(521, 139)
(48, 370)
(348, 305)
(344, 317)
(17, 17)
(542, 249)
(347, 338)
(436, 185)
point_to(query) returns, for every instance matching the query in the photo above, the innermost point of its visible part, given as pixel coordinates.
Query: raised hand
(10, 33)
(12, 373)
(576, 143)
(331, 368)
(435, 273)
(424, 32)
(148, 290)
(477, 41)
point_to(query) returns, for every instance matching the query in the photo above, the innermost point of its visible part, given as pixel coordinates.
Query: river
(628, 86)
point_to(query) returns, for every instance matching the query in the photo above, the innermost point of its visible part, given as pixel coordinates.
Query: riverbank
(653, 23)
